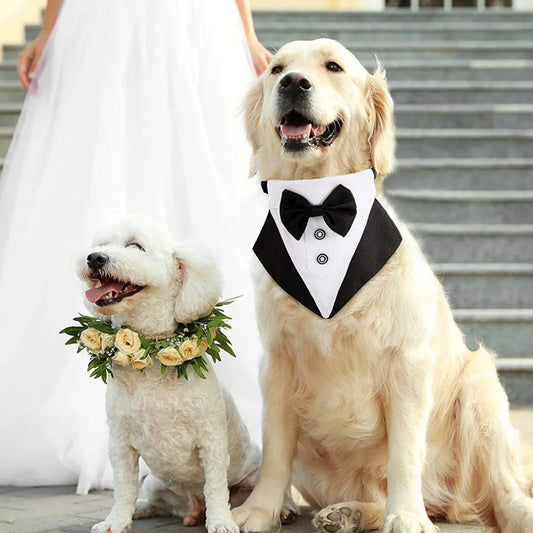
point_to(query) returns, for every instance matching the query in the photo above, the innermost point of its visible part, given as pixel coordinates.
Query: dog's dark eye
(136, 245)
(333, 67)
(277, 69)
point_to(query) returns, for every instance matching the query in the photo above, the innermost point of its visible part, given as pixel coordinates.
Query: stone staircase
(463, 87)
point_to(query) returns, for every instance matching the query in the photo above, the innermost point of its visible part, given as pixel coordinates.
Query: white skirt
(135, 108)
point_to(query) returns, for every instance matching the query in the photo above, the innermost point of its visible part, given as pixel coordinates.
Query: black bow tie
(338, 210)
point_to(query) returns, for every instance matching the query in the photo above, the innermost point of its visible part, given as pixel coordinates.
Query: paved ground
(58, 509)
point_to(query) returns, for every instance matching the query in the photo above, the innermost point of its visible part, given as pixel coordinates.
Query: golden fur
(380, 415)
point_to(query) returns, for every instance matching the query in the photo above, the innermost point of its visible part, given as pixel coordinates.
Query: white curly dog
(188, 432)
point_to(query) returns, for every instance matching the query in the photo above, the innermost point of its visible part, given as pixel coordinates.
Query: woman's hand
(29, 58)
(260, 55)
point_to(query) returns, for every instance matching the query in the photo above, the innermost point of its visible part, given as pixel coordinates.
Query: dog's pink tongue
(290, 130)
(93, 295)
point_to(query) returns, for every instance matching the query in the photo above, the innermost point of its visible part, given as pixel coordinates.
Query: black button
(322, 259)
(320, 234)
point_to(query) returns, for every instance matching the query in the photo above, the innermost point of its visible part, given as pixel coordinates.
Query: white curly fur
(188, 432)
(382, 413)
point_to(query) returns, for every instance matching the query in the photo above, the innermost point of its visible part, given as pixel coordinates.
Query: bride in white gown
(134, 106)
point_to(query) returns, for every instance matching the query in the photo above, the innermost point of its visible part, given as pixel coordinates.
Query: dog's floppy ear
(253, 102)
(380, 123)
(200, 284)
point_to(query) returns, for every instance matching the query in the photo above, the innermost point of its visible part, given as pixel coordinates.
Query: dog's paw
(222, 526)
(288, 516)
(408, 523)
(254, 519)
(336, 519)
(112, 527)
(143, 509)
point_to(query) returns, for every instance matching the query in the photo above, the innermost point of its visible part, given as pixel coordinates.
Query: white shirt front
(322, 256)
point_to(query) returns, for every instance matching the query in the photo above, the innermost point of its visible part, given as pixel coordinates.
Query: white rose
(108, 341)
(138, 363)
(189, 349)
(92, 339)
(127, 341)
(121, 358)
(169, 356)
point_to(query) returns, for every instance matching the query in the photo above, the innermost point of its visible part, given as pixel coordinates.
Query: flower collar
(109, 345)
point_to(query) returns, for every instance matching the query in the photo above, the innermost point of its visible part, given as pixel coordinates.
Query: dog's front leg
(125, 463)
(215, 461)
(261, 511)
(407, 413)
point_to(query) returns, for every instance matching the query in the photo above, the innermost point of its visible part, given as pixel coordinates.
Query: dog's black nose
(97, 260)
(294, 83)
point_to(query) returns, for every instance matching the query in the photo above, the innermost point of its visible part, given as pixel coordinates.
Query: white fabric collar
(321, 256)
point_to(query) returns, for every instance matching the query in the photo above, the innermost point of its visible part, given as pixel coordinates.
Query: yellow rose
(203, 345)
(213, 332)
(140, 364)
(169, 356)
(189, 349)
(92, 339)
(121, 358)
(107, 341)
(127, 341)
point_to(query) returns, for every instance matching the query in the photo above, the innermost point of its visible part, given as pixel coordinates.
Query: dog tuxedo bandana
(324, 238)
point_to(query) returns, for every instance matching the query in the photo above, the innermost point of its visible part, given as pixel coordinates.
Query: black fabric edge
(271, 252)
(369, 257)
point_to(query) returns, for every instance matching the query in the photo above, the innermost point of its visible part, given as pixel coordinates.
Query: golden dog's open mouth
(297, 132)
(111, 291)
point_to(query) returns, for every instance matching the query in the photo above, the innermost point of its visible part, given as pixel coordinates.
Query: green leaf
(83, 319)
(72, 340)
(72, 330)
(163, 369)
(197, 370)
(103, 328)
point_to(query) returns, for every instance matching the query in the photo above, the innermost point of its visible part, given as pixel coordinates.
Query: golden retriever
(380, 416)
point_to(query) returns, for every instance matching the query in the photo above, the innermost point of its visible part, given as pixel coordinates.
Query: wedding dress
(135, 107)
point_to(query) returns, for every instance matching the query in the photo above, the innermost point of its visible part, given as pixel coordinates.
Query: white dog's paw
(336, 519)
(144, 509)
(254, 519)
(408, 523)
(116, 526)
(222, 526)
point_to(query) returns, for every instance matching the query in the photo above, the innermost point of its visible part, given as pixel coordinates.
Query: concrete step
(506, 331)
(11, 92)
(463, 143)
(475, 243)
(398, 16)
(482, 286)
(351, 30)
(6, 134)
(477, 116)
(462, 92)
(9, 114)
(516, 376)
(457, 70)
(470, 207)
(8, 71)
(462, 174)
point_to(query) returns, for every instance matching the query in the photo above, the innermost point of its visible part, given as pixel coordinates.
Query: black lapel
(379, 241)
(270, 250)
